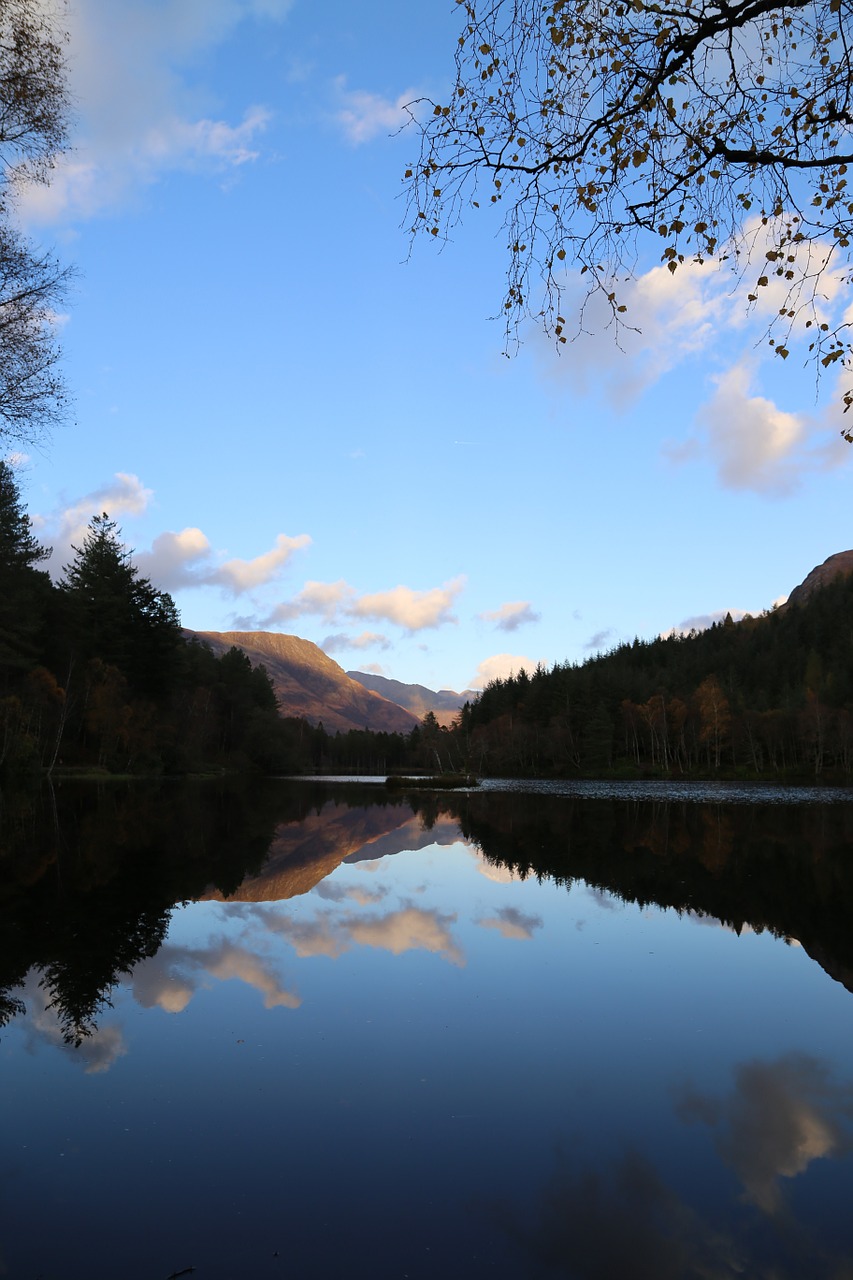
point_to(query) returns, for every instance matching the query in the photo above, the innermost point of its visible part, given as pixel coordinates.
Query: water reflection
(89, 879)
(593, 1221)
(409, 929)
(558, 1037)
(171, 978)
(779, 1117)
(512, 923)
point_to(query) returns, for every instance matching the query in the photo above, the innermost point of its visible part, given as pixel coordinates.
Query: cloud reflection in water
(512, 923)
(171, 978)
(41, 1024)
(626, 1219)
(779, 1117)
(408, 929)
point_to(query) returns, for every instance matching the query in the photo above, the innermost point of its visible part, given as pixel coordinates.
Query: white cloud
(363, 116)
(498, 667)
(702, 621)
(412, 610)
(139, 113)
(750, 439)
(175, 560)
(125, 494)
(754, 444)
(668, 317)
(366, 640)
(238, 576)
(170, 561)
(511, 616)
(407, 608)
(324, 599)
(598, 640)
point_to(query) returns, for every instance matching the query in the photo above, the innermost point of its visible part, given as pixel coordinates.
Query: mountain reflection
(89, 878)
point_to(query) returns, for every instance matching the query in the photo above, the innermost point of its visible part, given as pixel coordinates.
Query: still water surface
(500, 1034)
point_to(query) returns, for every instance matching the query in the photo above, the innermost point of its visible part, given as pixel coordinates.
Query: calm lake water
(311, 1030)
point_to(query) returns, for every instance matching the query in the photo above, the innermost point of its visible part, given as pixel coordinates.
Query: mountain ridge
(310, 684)
(445, 704)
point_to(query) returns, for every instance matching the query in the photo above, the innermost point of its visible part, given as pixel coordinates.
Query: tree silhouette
(715, 131)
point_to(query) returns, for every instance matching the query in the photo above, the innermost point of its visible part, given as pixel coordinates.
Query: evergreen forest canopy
(96, 673)
(767, 696)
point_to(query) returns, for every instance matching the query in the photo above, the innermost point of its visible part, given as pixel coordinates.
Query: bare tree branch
(723, 130)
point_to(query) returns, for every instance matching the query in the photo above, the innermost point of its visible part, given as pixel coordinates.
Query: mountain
(416, 698)
(834, 567)
(308, 683)
(302, 854)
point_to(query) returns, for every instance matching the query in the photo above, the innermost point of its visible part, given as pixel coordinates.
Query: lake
(313, 1029)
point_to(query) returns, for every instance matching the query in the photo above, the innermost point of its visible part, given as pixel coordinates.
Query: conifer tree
(117, 616)
(23, 587)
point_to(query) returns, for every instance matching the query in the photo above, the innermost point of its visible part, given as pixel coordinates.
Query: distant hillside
(770, 695)
(309, 683)
(416, 698)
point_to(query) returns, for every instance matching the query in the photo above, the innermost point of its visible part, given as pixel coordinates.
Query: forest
(767, 697)
(98, 678)
(764, 697)
(96, 675)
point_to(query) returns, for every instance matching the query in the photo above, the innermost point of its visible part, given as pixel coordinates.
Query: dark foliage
(765, 696)
(96, 672)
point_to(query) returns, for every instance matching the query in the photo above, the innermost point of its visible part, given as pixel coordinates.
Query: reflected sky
(425, 1063)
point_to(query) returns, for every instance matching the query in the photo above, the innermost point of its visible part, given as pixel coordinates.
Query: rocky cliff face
(309, 683)
(834, 567)
(444, 703)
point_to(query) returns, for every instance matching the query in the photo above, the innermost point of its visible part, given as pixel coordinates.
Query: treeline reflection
(782, 868)
(89, 876)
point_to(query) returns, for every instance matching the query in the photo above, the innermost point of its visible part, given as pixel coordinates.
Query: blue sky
(301, 427)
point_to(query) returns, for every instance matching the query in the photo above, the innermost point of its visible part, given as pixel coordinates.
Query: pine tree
(23, 588)
(116, 615)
